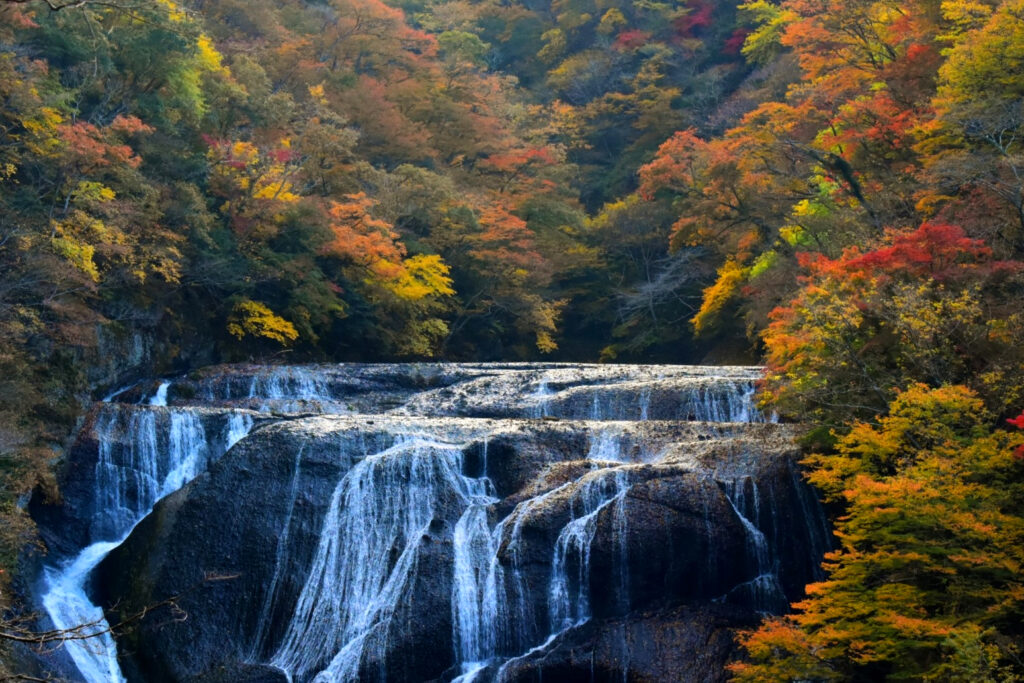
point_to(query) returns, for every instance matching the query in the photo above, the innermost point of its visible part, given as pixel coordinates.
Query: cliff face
(440, 522)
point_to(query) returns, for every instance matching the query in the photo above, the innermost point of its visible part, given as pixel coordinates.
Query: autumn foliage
(932, 306)
(925, 583)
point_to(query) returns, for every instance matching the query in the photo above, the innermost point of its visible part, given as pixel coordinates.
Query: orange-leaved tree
(931, 306)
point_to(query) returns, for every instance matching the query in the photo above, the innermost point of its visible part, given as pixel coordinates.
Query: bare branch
(11, 631)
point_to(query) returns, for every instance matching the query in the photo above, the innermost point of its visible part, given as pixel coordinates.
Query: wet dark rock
(227, 526)
(417, 646)
(682, 645)
(682, 543)
(241, 673)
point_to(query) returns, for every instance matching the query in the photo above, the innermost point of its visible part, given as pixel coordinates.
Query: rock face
(442, 522)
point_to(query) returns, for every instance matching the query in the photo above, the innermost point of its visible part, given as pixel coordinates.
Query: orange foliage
(91, 148)
(925, 572)
(363, 239)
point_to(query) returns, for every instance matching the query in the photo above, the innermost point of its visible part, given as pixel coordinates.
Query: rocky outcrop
(258, 514)
(463, 524)
(557, 390)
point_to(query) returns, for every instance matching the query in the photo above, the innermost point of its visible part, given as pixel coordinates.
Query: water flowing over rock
(420, 522)
(126, 460)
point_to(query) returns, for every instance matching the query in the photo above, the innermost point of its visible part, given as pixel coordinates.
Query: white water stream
(165, 449)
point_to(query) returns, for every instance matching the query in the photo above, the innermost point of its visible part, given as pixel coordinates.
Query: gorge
(420, 522)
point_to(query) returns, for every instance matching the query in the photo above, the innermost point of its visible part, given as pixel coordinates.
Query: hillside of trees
(833, 189)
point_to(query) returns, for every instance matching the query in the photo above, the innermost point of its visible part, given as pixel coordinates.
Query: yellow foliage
(554, 45)
(90, 191)
(422, 276)
(545, 342)
(276, 188)
(730, 276)
(544, 318)
(42, 139)
(48, 120)
(79, 254)
(254, 319)
(612, 20)
(208, 56)
(771, 20)
(261, 176)
(763, 263)
(988, 62)
(174, 12)
(965, 15)
(317, 93)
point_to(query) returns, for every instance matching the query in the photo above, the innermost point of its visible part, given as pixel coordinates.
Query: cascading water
(385, 502)
(289, 390)
(510, 616)
(166, 448)
(160, 397)
(70, 609)
(239, 425)
(569, 594)
(486, 619)
(514, 591)
(764, 590)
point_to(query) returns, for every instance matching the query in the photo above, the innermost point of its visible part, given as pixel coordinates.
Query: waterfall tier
(440, 522)
(570, 391)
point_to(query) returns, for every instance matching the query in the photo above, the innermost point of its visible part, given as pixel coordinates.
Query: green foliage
(765, 42)
(463, 45)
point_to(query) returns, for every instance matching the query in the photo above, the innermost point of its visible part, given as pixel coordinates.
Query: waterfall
(645, 404)
(487, 620)
(764, 590)
(165, 450)
(724, 402)
(474, 596)
(540, 399)
(535, 548)
(70, 609)
(569, 592)
(385, 502)
(516, 623)
(288, 389)
(160, 397)
(239, 425)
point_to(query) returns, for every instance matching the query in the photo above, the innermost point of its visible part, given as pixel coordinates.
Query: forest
(831, 189)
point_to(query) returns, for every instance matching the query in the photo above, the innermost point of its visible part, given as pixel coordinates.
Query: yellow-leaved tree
(255, 319)
(926, 583)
